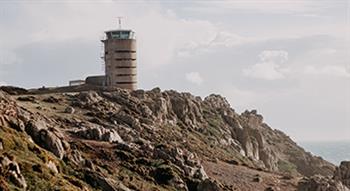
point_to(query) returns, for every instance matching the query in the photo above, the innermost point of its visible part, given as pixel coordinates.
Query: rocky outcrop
(320, 183)
(208, 185)
(187, 108)
(98, 133)
(9, 168)
(8, 109)
(339, 182)
(342, 173)
(147, 140)
(184, 159)
(89, 97)
(97, 180)
(48, 138)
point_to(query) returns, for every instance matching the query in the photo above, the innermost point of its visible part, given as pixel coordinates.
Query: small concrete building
(76, 82)
(120, 59)
(96, 80)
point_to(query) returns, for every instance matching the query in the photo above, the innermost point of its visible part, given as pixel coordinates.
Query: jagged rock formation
(321, 183)
(9, 167)
(145, 140)
(342, 173)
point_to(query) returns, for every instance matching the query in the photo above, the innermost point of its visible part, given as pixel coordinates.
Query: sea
(334, 152)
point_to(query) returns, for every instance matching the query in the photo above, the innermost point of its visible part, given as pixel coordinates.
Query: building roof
(117, 30)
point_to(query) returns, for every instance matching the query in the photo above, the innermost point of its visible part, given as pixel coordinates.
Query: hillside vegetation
(144, 140)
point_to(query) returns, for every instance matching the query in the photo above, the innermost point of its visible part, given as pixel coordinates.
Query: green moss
(213, 128)
(27, 155)
(285, 166)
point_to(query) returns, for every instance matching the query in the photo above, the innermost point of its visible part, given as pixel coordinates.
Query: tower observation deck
(120, 59)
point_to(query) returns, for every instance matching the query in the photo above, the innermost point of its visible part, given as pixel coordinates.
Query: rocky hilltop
(115, 140)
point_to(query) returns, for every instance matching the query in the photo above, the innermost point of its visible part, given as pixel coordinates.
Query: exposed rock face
(46, 137)
(52, 166)
(99, 133)
(97, 180)
(217, 102)
(10, 169)
(145, 140)
(89, 97)
(187, 108)
(342, 173)
(208, 185)
(7, 109)
(320, 183)
(339, 182)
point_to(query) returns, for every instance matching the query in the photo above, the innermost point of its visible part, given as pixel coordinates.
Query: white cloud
(228, 39)
(161, 34)
(166, 34)
(328, 70)
(179, 37)
(270, 66)
(215, 39)
(280, 56)
(270, 6)
(194, 77)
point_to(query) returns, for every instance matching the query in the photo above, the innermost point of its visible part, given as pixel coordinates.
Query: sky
(289, 59)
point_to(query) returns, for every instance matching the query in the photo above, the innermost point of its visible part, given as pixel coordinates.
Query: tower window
(121, 34)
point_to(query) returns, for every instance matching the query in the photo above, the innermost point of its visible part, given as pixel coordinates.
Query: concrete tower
(120, 59)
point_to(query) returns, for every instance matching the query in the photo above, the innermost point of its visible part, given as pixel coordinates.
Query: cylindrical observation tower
(120, 59)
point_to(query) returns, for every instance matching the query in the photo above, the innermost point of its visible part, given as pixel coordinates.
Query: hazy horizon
(332, 151)
(287, 59)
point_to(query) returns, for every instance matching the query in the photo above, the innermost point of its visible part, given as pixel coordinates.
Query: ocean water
(334, 152)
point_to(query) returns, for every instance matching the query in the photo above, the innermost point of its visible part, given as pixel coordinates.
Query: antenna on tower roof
(120, 22)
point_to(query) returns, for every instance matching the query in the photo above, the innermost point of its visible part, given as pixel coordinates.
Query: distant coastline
(332, 151)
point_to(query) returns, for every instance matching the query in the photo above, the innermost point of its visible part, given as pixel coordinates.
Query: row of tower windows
(125, 82)
(131, 67)
(125, 59)
(126, 75)
(122, 51)
(122, 67)
(121, 35)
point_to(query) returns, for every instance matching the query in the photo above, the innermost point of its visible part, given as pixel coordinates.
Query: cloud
(270, 6)
(163, 36)
(62, 39)
(216, 38)
(228, 39)
(328, 70)
(269, 67)
(194, 77)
